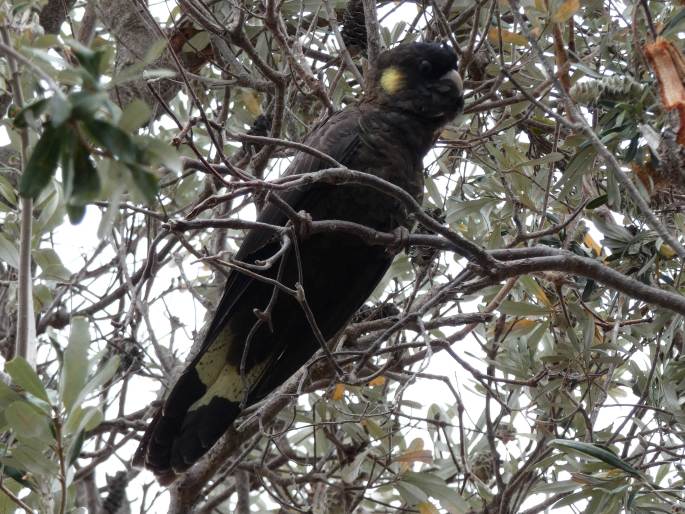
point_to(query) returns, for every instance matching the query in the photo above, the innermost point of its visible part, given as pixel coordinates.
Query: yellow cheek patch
(392, 80)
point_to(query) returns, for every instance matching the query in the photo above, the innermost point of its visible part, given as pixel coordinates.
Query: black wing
(208, 395)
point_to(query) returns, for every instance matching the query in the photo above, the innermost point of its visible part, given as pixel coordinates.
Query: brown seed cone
(354, 27)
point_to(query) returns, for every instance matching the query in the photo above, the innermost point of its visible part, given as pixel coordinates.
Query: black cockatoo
(414, 90)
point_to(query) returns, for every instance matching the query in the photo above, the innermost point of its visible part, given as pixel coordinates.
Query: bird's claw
(303, 226)
(401, 239)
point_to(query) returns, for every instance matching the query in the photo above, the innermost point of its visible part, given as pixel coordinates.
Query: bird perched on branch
(260, 334)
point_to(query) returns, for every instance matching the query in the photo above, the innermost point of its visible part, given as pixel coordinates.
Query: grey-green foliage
(44, 428)
(571, 393)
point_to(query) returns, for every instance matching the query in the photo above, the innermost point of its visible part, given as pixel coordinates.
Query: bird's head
(420, 78)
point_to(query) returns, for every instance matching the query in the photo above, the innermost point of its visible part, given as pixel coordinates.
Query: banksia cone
(422, 256)
(117, 493)
(354, 27)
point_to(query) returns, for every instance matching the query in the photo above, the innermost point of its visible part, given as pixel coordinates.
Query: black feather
(386, 135)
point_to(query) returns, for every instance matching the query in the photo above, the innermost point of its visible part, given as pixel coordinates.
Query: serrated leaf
(42, 164)
(25, 377)
(75, 366)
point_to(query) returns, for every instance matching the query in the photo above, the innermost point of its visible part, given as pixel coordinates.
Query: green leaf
(155, 50)
(350, 472)
(7, 395)
(51, 265)
(75, 448)
(89, 59)
(436, 487)
(115, 140)
(33, 459)
(411, 493)
(75, 366)
(580, 164)
(83, 419)
(78, 423)
(84, 104)
(27, 421)
(9, 252)
(43, 161)
(100, 378)
(18, 476)
(597, 202)
(81, 179)
(76, 213)
(597, 452)
(147, 182)
(7, 191)
(433, 192)
(674, 25)
(136, 114)
(162, 152)
(25, 377)
(522, 309)
(30, 115)
(59, 110)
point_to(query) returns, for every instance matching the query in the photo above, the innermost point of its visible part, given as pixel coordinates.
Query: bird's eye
(425, 67)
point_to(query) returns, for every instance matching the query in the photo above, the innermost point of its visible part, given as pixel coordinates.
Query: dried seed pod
(354, 27)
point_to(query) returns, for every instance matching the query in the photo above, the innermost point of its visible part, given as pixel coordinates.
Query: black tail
(202, 405)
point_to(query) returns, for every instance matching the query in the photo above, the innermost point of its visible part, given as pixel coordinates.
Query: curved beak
(454, 77)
